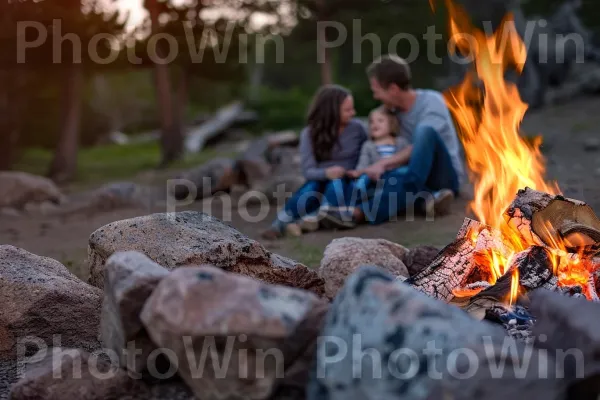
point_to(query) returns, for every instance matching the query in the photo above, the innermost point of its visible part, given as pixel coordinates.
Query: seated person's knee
(424, 132)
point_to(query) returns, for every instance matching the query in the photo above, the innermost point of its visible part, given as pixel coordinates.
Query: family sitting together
(410, 157)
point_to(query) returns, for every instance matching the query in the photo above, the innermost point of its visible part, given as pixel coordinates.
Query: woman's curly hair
(324, 120)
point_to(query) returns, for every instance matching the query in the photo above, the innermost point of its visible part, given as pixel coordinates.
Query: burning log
(461, 262)
(534, 270)
(593, 285)
(544, 219)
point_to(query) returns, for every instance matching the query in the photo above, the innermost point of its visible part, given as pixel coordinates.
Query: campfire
(525, 234)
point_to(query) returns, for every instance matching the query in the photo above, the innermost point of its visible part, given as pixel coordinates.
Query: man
(433, 166)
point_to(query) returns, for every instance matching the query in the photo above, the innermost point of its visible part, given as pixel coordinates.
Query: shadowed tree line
(72, 103)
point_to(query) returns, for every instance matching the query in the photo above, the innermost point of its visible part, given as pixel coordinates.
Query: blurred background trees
(64, 106)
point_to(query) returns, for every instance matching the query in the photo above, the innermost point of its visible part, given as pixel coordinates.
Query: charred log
(461, 263)
(544, 219)
(534, 267)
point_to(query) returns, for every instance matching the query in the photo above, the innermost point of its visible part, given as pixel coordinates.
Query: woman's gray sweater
(345, 152)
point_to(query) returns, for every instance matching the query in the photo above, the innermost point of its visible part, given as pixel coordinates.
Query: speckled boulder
(383, 340)
(193, 238)
(40, 298)
(75, 374)
(205, 316)
(343, 256)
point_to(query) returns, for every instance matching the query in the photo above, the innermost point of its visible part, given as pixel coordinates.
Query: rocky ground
(571, 145)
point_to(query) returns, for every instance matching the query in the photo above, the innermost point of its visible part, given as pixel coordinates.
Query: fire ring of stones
(183, 306)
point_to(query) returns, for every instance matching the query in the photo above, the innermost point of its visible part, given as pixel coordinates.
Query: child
(383, 142)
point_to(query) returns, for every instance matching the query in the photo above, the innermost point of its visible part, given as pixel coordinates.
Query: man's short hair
(390, 69)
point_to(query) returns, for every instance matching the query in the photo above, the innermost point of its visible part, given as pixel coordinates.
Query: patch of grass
(307, 254)
(103, 164)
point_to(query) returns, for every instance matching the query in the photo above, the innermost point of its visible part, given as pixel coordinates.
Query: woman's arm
(310, 170)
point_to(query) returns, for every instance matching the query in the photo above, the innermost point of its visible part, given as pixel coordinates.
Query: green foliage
(282, 109)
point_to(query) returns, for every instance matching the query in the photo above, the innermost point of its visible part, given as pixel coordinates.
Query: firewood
(544, 219)
(460, 263)
(534, 266)
(284, 138)
(593, 285)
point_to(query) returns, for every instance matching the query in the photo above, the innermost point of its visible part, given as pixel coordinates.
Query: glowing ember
(500, 161)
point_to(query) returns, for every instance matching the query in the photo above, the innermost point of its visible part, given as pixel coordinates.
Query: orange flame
(488, 111)
(514, 287)
(500, 161)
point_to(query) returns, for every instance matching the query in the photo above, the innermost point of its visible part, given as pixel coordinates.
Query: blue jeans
(315, 194)
(365, 187)
(429, 169)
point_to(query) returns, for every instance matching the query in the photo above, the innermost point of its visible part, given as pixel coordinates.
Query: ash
(517, 321)
(571, 291)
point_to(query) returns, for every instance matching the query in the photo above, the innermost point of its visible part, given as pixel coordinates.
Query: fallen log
(283, 138)
(222, 120)
(554, 221)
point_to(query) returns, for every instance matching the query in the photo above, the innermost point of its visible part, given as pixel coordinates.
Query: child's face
(379, 125)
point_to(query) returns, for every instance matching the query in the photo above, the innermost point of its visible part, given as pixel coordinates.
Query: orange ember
(488, 111)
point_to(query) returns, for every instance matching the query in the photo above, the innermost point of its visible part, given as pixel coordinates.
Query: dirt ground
(572, 160)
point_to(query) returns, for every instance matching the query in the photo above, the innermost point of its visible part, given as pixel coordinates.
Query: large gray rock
(384, 340)
(232, 336)
(40, 298)
(343, 256)
(573, 335)
(20, 188)
(130, 278)
(75, 374)
(194, 238)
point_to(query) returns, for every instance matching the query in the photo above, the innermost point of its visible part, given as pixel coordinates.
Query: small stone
(419, 258)
(19, 188)
(9, 212)
(344, 256)
(591, 144)
(76, 374)
(216, 175)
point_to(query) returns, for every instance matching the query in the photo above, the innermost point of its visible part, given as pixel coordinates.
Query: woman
(329, 147)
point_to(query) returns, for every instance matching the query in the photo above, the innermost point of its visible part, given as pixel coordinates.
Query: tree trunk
(323, 52)
(171, 138)
(64, 165)
(7, 133)
(181, 101)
